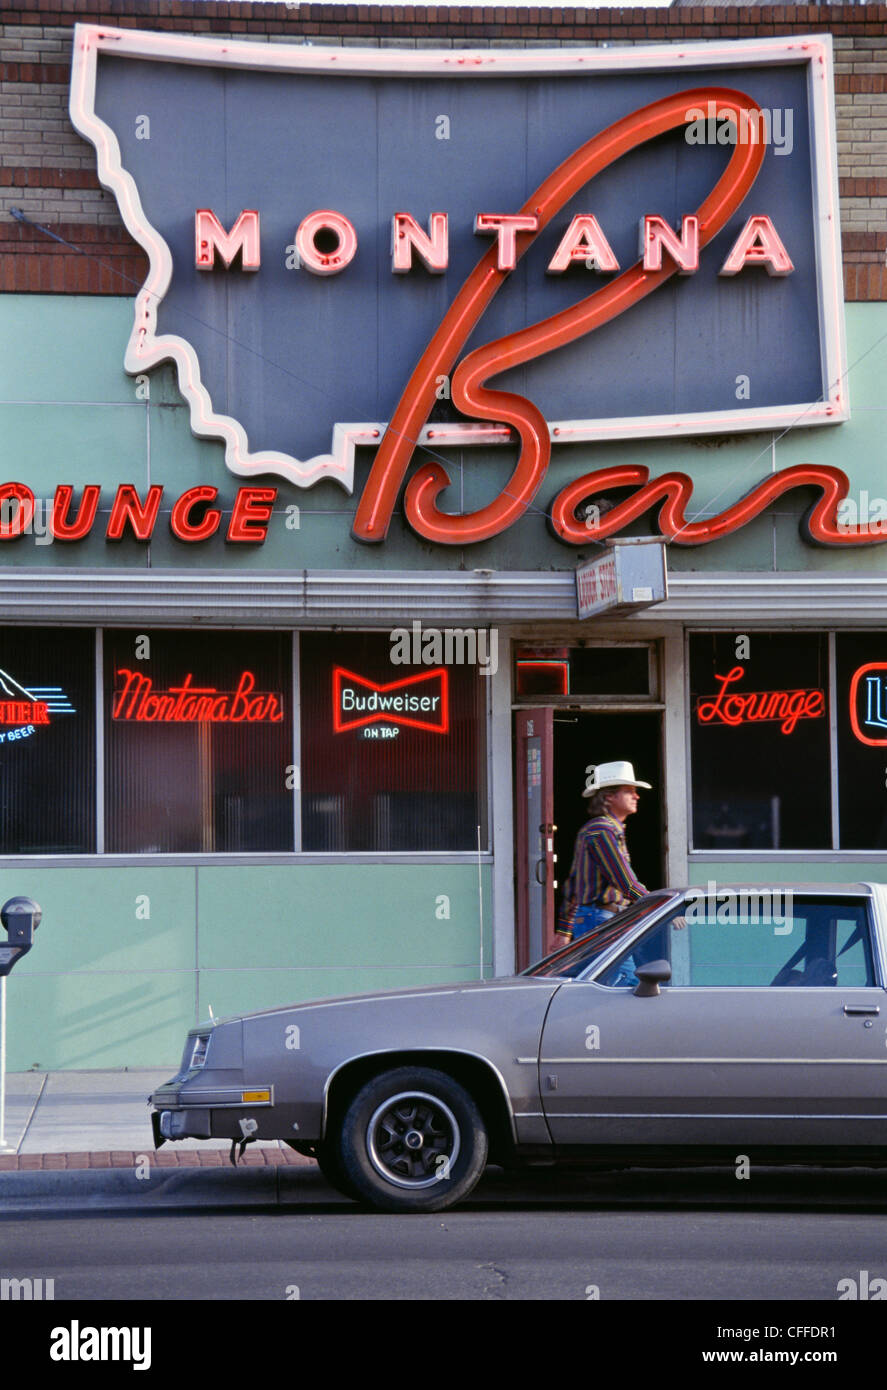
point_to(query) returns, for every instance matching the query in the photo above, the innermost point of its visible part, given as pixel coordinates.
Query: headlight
(198, 1054)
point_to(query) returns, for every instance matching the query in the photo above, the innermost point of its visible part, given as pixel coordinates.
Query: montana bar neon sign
(138, 702)
(326, 244)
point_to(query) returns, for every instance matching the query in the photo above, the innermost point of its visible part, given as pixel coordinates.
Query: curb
(54, 1191)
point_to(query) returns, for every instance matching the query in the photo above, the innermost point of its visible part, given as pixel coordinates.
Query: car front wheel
(411, 1140)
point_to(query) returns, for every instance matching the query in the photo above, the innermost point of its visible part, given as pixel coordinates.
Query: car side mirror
(651, 976)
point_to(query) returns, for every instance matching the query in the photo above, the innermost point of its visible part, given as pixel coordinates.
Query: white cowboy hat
(611, 775)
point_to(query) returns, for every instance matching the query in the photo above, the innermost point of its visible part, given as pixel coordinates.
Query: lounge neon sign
(193, 516)
(138, 702)
(420, 701)
(785, 707)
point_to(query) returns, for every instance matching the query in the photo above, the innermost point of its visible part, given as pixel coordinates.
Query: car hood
(505, 982)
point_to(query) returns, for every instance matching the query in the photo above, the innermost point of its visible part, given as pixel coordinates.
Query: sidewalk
(100, 1119)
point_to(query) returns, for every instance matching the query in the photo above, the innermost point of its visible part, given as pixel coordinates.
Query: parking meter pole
(3, 1146)
(20, 917)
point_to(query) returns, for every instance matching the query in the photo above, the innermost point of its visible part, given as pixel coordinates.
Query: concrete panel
(366, 915)
(93, 919)
(122, 1018)
(63, 347)
(761, 872)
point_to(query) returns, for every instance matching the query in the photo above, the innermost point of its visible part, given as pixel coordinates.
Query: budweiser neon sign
(136, 701)
(328, 244)
(785, 707)
(420, 702)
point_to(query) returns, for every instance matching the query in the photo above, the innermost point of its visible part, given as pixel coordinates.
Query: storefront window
(393, 755)
(861, 691)
(760, 741)
(198, 738)
(47, 741)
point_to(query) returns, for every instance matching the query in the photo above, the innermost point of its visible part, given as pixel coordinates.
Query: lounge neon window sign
(419, 702)
(786, 707)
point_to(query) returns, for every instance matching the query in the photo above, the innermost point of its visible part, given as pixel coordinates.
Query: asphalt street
(791, 1235)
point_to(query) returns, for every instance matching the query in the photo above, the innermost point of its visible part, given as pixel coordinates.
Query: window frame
(256, 858)
(833, 853)
(482, 854)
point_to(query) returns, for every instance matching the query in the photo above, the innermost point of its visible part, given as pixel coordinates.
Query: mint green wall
(810, 870)
(69, 413)
(104, 986)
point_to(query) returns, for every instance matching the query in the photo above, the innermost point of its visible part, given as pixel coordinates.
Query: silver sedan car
(699, 1023)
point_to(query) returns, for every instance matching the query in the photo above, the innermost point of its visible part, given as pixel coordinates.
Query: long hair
(598, 804)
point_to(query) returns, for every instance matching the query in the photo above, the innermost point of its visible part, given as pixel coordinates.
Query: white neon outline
(146, 350)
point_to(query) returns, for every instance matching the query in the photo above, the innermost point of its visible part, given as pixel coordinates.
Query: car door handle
(861, 1009)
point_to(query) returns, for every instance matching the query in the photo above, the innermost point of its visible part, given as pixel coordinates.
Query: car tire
(413, 1140)
(329, 1161)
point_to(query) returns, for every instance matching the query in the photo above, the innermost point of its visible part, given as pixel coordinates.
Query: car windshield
(573, 959)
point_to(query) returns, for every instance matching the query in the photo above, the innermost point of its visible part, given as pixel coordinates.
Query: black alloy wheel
(413, 1140)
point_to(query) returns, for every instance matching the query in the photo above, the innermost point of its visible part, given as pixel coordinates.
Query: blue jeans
(587, 918)
(626, 975)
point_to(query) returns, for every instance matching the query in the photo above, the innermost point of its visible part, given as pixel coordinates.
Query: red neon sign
(251, 513)
(560, 670)
(785, 707)
(24, 712)
(876, 706)
(139, 702)
(475, 399)
(253, 508)
(469, 391)
(358, 701)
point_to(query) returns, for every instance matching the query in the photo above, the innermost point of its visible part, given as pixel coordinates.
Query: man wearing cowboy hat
(601, 881)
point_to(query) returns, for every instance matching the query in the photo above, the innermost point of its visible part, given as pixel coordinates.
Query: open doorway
(553, 747)
(580, 739)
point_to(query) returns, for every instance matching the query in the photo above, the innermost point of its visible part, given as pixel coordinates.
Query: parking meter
(21, 917)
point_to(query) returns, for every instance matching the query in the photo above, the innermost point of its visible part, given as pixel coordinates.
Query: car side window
(854, 955)
(749, 939)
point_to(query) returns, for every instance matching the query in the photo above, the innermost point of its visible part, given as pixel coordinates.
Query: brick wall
(48, 172)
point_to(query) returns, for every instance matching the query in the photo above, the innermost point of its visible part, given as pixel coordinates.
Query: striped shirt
(601, 875)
